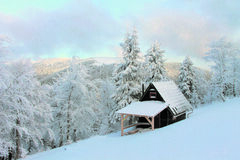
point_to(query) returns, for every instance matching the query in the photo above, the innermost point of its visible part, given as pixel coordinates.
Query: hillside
(53, 65)
(212, 132)
(47, 67)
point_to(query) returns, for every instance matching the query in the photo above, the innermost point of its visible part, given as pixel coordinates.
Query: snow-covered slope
(211, 133)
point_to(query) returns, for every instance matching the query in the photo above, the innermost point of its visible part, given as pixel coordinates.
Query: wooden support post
(152, 123)
(148, 120)
(121, 124)
(125, 117)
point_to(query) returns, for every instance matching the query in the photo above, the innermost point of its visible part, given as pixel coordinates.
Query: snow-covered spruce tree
(76, 109)
(5, 124)
(27, 112)
(126, 76)
(219, 54)
(154, 64)
(187, 82)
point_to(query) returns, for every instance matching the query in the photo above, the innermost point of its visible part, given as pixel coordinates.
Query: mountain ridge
(46, 67)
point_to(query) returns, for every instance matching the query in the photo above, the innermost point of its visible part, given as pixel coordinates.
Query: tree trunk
(68, 114)
(222, 97)
(234, 87)
(10, 153)
(29, 146)
(61, 137)
(234, 79)
(18, 141)
(74, 135)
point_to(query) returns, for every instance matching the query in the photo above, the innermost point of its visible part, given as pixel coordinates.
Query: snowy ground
(211, 133)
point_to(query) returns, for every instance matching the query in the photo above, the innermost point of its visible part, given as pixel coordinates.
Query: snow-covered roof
(172, 96)
(145, 108)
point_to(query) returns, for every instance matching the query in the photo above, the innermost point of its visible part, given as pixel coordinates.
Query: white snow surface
(211, 133)
(145, 108)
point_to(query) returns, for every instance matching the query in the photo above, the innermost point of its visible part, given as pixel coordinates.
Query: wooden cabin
(161, 104)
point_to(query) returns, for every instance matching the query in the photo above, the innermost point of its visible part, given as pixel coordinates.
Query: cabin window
(153, 95)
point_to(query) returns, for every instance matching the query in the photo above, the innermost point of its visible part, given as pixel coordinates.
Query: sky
(95, 28)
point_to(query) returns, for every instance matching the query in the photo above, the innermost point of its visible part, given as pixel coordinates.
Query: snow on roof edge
(144, 108)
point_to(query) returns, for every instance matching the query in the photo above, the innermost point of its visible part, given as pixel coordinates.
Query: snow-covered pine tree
(76, 104)
(27, 112)
(126, 76)
(154, 64)
(187, 82)
(219, 54)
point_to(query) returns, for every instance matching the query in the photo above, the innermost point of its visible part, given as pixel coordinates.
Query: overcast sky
(95, 28)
